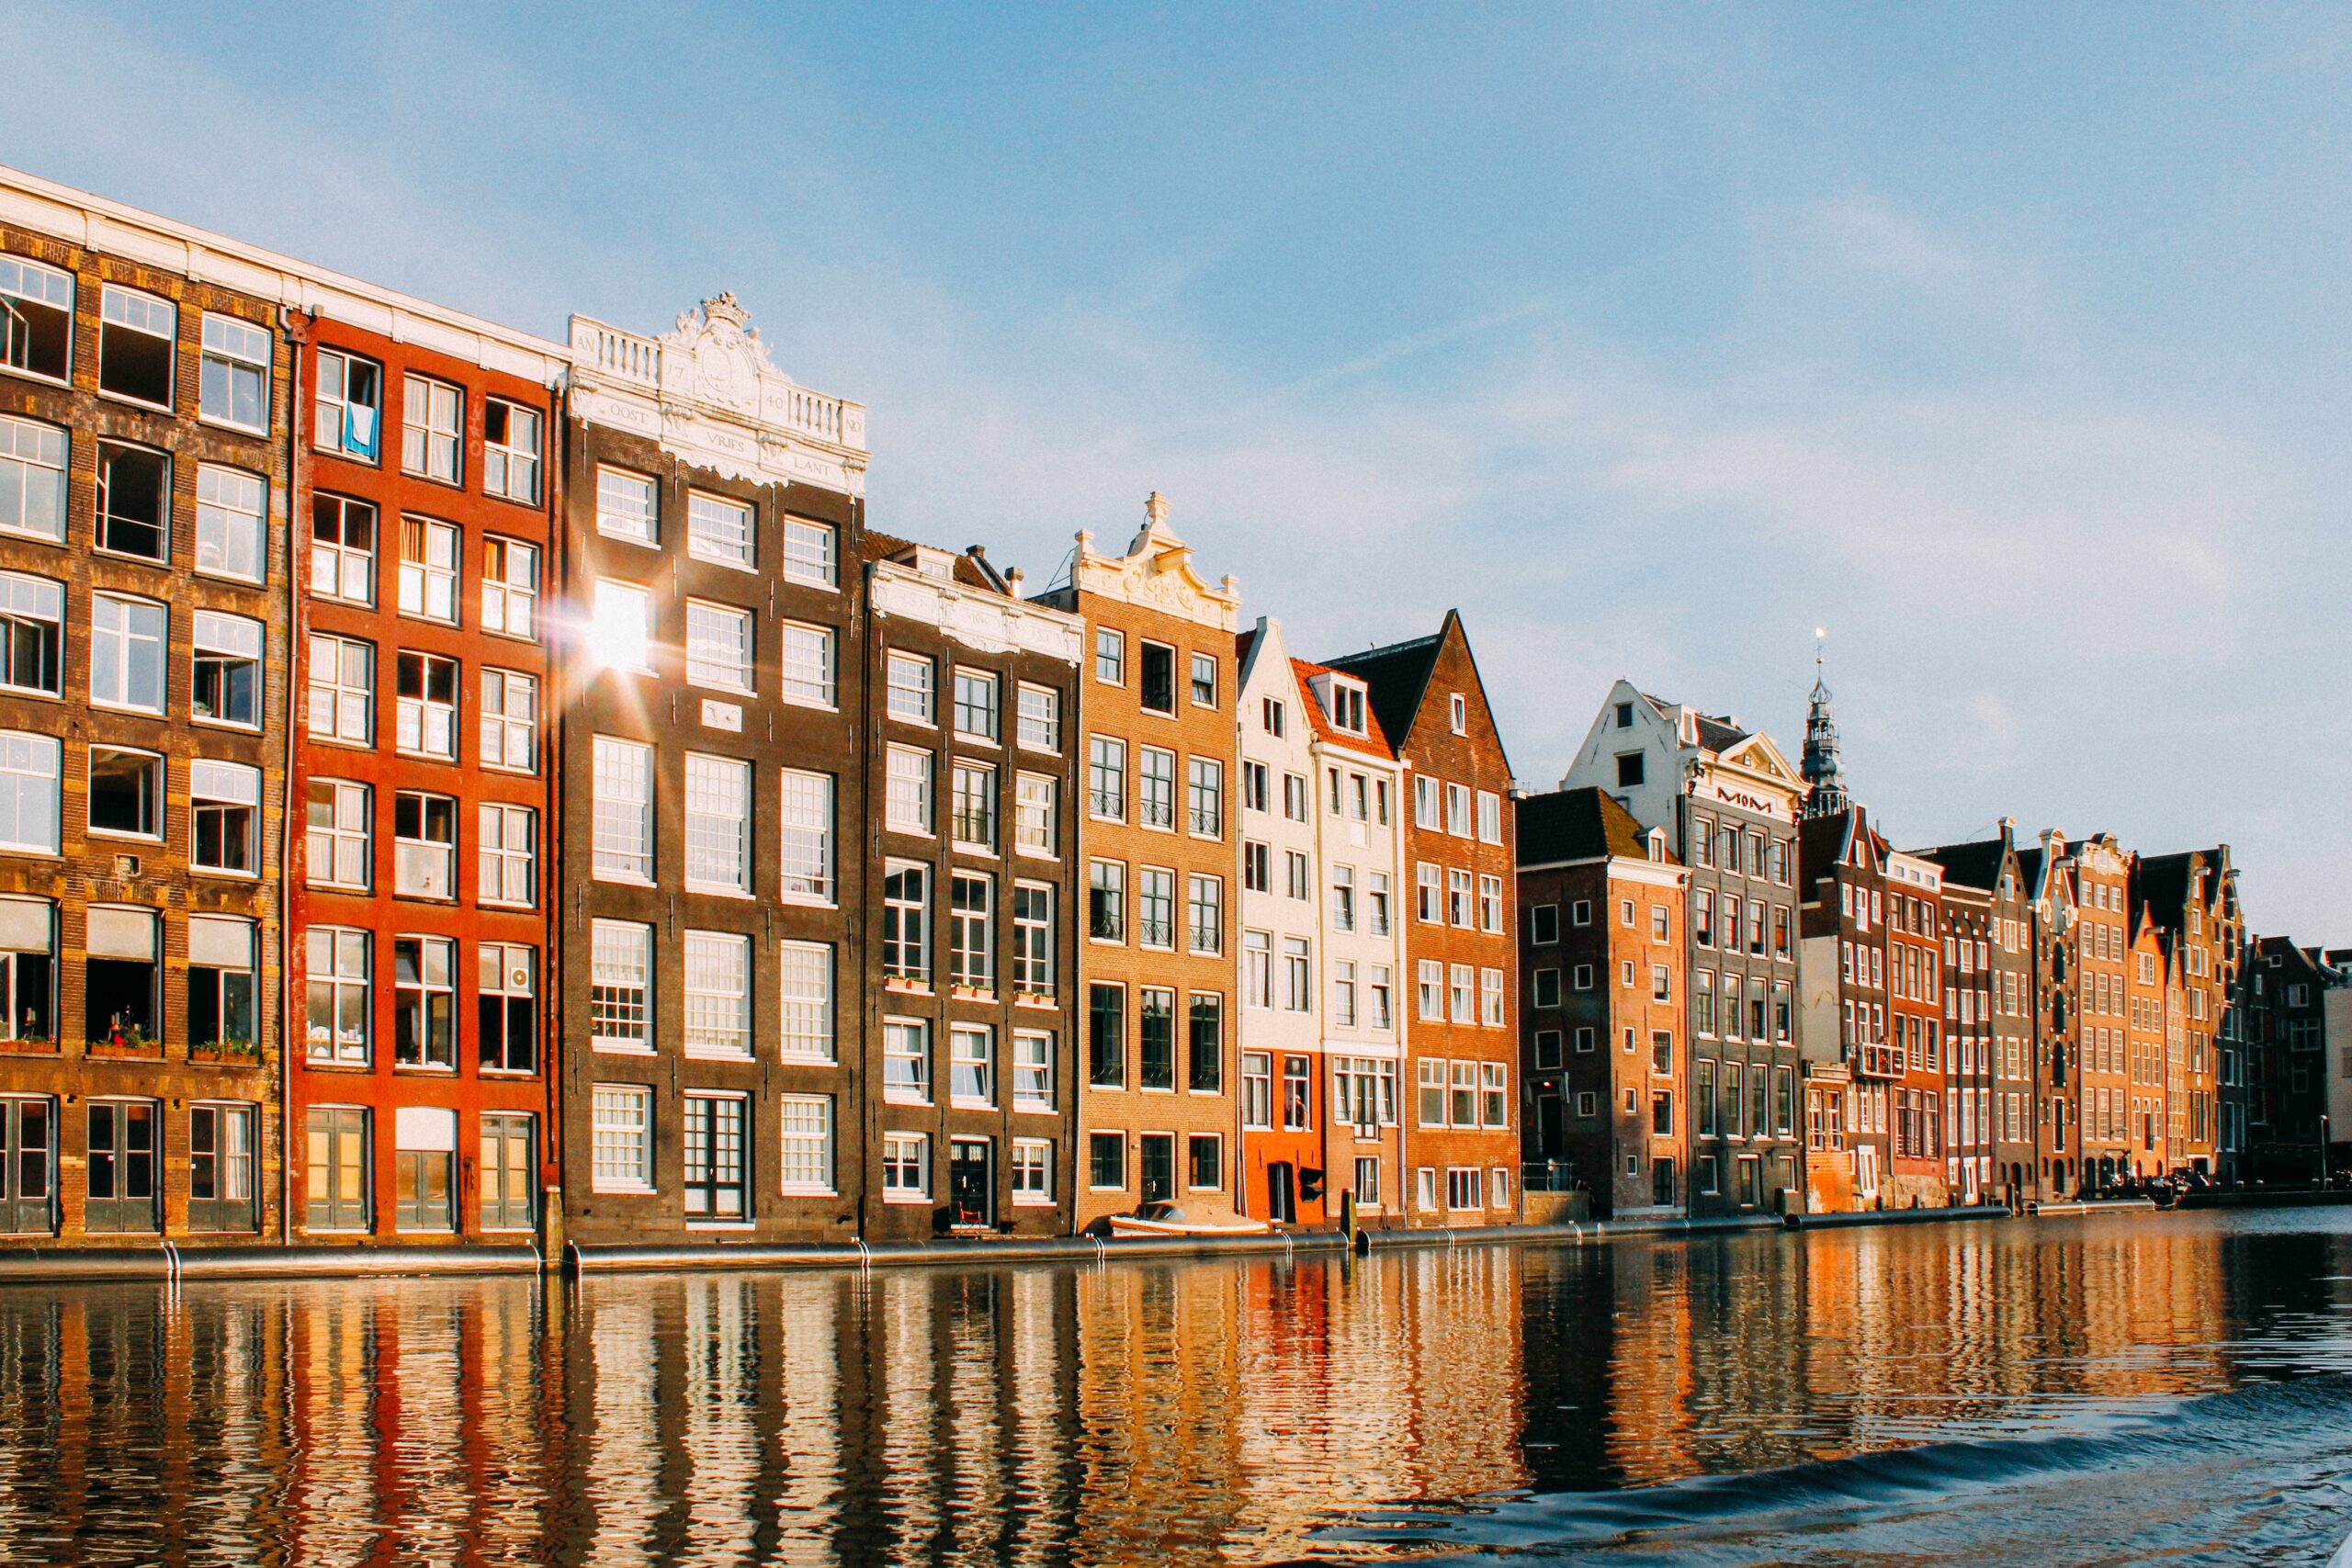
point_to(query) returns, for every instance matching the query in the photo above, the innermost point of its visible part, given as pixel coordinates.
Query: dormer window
(1347, 707)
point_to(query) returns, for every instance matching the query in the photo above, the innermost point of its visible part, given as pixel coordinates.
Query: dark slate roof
(1396, 676)
(2163, 881)
(1822, 842)
(1976, 864)
(1720, 734)
(1578, 824)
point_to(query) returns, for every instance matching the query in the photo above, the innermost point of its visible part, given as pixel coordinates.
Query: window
(1430, 988)
(906, 1061)
(1034, 826)
(1299, 874)
(426, 705)
(1106, 1037)
(1491, 822)
(976, 705)
(36, 317)
(1033, 1071)
(433, 423)
(336, 846)
(807, 553)
(1457, 898)
(621, 985)
(1106, 1161)
(906, 922)
(1206, 1154)
(507, 866)
(342, 700)
(509, 452)
(1294, 797)
(1461, 992)
(136, 332)
(1032, 1168)
(1156, 691)
(233, 382)
(1205, 803)
(806, 1165)
(428, 570)
(425, 1002)
(1204, 679)
(1032, 939)
(127, 653)
(224, 817)
(621, 628)
(423, 1154)
(717, 824)
(225, 682)
(1205, 1039)
(1490, 997)
(1494, 1095)
(1347, 706)
(1544, 924)
(1298, 976)
(626, 506)
(1038, 717)
(1155, 1038)
(717, 981)
(971, 1065)
(622, 788)
(510, 721)
(220, 982)
(807, 833)
(910, 679)
(1462, 1107)
(1110, 656)
(1156, 907)
(906, 799)
(971, 931)
(32, 476)
(220, 1145)
(134, 500)
(121, 974)
(347, 409)
(621, 1138)
(1430, 884)
(972, 811)
(228, 508)
(335, 963)
(1490, 904)
(806, 656)
(1106, 909)
(126, 792)
(1204, 911)
(1458, 713)
(506, 1023)
(1343, 993)
(510, 588)
(1257, 867)
(335, 1167)
(808, 998)
(425, 845)
(1156, 788)
(1272, 715)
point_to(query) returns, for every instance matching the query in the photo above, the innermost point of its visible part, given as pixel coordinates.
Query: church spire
(1822, 768)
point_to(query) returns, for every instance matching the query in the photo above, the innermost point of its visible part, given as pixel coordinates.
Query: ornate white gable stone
(707, 390)
(1157, 573)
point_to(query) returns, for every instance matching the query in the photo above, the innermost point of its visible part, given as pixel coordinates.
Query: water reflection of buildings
(1183, 1414)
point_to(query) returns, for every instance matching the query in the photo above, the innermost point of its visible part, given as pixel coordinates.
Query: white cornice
(94, 223)
(1156, 574)
(980, 620)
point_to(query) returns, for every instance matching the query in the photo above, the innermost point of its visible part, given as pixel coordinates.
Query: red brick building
(421, 888)
(1461, 1139)
(1915, 1023)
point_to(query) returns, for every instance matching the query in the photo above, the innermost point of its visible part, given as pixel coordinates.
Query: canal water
(2144, 1389)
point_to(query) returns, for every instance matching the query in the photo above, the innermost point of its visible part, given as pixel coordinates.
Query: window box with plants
(30, 1045)
(231, 1052)
(127, 1041)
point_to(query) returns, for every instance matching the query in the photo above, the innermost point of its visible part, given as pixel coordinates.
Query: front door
(1159, 1166)
(1282, 1195)
(122, 1166)
(507, 1173)
(971, 1182)
(221, 1146)
(336, 1163)
(27, 1129)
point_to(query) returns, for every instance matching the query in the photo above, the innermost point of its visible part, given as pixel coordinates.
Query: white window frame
(620, 1122)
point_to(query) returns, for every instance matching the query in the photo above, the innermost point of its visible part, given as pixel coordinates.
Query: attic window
(1657, 846)
(1347, 707)
(1629, 770)
(1460, 706)
(1624, 716)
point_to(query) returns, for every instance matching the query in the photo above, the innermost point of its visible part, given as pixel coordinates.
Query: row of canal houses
(457, 787)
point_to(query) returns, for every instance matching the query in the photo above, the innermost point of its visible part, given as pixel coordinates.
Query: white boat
(1167, 1219)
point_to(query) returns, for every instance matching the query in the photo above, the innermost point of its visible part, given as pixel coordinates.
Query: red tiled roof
(1373, 744)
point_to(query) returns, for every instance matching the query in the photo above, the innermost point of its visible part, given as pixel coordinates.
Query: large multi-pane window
(506, 1031)
(1032, 1171)
(718, 824)
(224, 817)
(971, 940)
(1106, 900)
(36, 317)
(32, 634)
(510, 451)
(508, 860)
(808, 555)
(510, 721)
(1298, 974)
(1034, 830)
(623, 789)
(136, 333)
(718, 994)
(1032, 1070)
(1039, 718)
(1156, 907)
(1156, 787)
(1204, 914)
(510, 588)
(1106, 778)
(976, 699)
(912, 681)
(621, 985)
(32, 479)
(1106, 1035)
(906, 798)
(1156, 1030)
(1032, 939)
(906, 921)
(126, 792)
(348, 407)
(222, 992)
(906, 1060)
(1204, 1036)
(426, 705)
(425, 845)
(335, 964)
(626, 506)
(425, 1002)
(805, 656)
(711, 1132)
(906, 1167)
(807, 1167)
(431, 428)
(973, 807)
(718, 529)
(1205, 803)
(806, 970)
(719, 645)
(224, 653)
(428, 569)
(127, 653)
(808, 836)
(971, 1065)
(621, 1138)
(232, 382)
(335, 844)
(230, 506)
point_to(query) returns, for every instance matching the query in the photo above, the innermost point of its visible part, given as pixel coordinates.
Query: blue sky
(2009, 344)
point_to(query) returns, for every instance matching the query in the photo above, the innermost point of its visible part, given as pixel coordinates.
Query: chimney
(1013, 578)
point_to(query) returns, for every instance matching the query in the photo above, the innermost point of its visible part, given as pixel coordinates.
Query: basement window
(134, 500)
(135, 336)
(36, 317)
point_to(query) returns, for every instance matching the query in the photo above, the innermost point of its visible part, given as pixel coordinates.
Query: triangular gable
(1758, 753)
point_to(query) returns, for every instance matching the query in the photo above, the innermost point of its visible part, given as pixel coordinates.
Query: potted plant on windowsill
(32, 1044)
(238, 1053)
(127, 1040)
